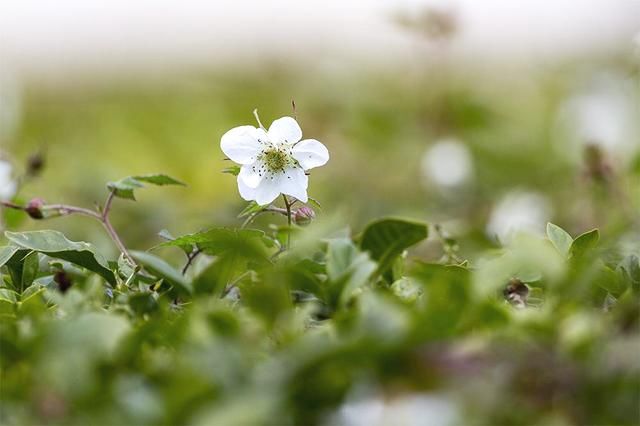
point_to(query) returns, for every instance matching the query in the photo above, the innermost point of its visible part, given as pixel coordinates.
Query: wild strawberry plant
(290, 323)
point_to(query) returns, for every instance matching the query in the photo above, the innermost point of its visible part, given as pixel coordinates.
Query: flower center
(275, 159)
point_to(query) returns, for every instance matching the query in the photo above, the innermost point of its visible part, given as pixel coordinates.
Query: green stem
(288, 206)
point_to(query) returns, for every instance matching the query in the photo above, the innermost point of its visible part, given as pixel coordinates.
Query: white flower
(448, 163)
(519, 211)
(8, 185)
(273, 162)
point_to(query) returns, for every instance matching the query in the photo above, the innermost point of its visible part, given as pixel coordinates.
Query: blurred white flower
(448, 163)
(603, 113)
(407, 410)
(517, 212)
(8, 185)
(273, 162)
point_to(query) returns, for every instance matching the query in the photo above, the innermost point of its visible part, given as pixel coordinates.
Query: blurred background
(482, 116)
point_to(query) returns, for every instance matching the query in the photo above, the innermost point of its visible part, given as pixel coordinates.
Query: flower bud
(304, 215)
(516, 293)
(63, 280)
(34, 208)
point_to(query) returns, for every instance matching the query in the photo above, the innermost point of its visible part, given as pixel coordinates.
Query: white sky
(62, 37)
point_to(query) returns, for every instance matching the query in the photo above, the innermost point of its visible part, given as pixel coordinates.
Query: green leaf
(55, 244)
(585, 242)
(446, 296)
(143, 303)
(9, 296)
(159, 180)
(232, 170)
(162, 269)
(8, 300)
(30, 269)
(387, 238)
(236, 250)
(629, 270)
(6, 253)
(315, 203)
(216, 241)
(125, 187)
(340, 255)
(560, 239)
(348, 269)
(251, 208)
(167, 236)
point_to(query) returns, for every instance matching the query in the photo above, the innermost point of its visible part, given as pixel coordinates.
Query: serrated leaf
(560, 238)
(387, 238)
(162, 269)
(585, 242)
(55, 244)
(216, 241)
(167, 236)
(125, 187)
(159, 179)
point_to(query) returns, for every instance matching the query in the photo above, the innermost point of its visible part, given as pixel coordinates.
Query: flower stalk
(101, 215)
(288, 206)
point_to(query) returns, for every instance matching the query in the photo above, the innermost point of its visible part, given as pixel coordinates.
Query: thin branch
(67, 210)
(268, 209)
(111, 231)
(288, 205)
(190, 258)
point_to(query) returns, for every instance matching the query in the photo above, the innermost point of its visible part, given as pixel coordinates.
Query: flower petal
(242, 144)
(294, 182)
(310, 153)
(285, 130)
(267, 191)
(247, 193)
(251, 175)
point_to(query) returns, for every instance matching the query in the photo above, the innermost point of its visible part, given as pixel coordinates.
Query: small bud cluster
(303, 216)
(34, 208)
(516, 293)
(63, 280)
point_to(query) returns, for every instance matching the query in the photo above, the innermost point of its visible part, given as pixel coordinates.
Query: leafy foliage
(386, 239)
(125, 187)
(293, 333)
(55, 244)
